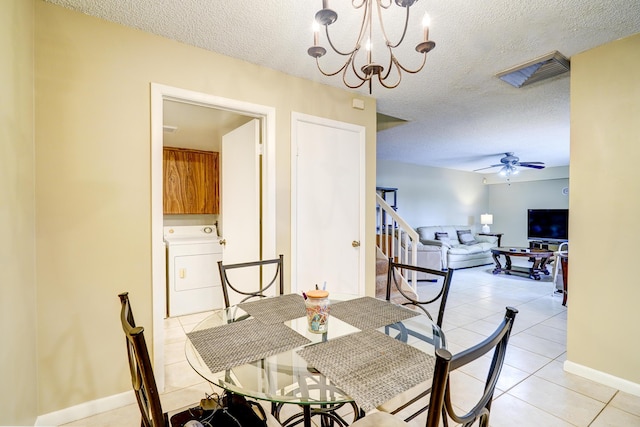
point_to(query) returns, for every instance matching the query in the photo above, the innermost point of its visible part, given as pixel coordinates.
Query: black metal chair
(440, 406)
(256, 290)
(146, 390)
(438, 293)
(142, 379)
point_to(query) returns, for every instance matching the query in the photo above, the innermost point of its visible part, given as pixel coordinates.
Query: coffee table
(539, 257)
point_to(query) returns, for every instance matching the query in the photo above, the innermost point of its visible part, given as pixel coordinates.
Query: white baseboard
(602, 378)
(86, 409)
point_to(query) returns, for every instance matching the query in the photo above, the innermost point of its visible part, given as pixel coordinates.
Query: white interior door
(327, 205)
(240, 200)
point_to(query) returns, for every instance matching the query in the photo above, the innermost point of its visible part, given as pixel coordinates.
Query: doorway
(266, 117)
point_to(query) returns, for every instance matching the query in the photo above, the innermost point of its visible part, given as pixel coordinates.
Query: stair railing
(395, 238)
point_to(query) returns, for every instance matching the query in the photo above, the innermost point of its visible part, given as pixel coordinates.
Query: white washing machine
(193, 280)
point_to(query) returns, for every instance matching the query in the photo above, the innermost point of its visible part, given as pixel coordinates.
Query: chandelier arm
(397, 67)
(349, 85)
(417, 70)
(392, 61)
(382, 81)
(383, 5)
(357, 72)
(404, 31)
(336, 50)
(329, 73)
(363, 28)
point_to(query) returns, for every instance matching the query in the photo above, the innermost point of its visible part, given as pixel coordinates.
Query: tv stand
(551, 245)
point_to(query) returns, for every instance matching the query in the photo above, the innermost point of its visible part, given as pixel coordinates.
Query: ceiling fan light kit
(359, 66)
(509, 165)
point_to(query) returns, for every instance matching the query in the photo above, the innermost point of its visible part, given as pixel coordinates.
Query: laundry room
(193, 195)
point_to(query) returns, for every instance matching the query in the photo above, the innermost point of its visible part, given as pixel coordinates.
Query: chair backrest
(257, 291)
(563, 248)
(440, 399)
(438, 291)
(142, 379)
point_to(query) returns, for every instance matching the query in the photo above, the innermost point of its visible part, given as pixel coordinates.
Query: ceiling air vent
(542, 68)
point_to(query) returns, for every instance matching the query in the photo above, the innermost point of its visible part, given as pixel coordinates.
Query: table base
(327, 413)
(538, 267)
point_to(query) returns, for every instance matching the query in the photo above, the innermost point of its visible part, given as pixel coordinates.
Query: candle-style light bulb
(426, 21)
(316, 30)
(368, 47)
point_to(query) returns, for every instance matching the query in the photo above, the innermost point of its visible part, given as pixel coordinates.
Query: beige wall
(605, 207)
(18, 374)
(93, 181)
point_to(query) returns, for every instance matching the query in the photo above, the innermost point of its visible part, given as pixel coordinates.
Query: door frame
(361, 131)
(267, 116)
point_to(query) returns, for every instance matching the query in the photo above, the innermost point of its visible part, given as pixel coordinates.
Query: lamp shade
(486, 219)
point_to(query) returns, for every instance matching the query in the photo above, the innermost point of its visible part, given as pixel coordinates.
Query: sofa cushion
(466, 238)
(427, 233)
(465, 249)
(443, 236)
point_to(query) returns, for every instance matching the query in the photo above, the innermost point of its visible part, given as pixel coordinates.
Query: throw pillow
(442, 236)
(466, 238)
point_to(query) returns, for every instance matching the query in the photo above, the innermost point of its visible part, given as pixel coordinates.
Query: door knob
(355, 243)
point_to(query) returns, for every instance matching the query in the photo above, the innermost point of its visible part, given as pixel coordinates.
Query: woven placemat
(370, 313)
(369, 366)
(226, 346)
(276, 309)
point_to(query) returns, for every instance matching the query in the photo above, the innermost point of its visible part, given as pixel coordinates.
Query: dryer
(193, 280)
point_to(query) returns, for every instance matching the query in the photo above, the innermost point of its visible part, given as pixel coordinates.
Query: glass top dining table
(264, 350)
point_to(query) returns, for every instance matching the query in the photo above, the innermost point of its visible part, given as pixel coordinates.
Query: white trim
(86, 409)
(267, 115)
(361, 131)
(602, 378)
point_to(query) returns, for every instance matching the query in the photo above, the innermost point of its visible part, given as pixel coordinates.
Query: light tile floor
(533, 391)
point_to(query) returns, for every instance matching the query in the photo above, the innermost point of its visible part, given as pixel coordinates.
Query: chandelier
(359, 67)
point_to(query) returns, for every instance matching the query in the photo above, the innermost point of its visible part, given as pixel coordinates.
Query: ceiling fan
(509, 163)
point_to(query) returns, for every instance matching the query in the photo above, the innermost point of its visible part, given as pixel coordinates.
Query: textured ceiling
(459, 115)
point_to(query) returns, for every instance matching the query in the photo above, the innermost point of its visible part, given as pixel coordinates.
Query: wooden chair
(438, 294)
(259, 291)
(142, 379)
(440, 405)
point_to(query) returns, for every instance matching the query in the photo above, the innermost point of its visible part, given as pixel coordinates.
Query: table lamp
(486, 220)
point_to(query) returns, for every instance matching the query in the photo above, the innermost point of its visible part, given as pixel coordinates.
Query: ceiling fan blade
(488, 167)
(532, 165)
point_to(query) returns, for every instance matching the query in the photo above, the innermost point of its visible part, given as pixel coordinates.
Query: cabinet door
(190, 181)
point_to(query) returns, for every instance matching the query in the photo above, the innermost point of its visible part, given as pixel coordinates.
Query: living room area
(429, 196)
(535, 389)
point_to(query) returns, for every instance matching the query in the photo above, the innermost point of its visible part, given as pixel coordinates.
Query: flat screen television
(548, 224)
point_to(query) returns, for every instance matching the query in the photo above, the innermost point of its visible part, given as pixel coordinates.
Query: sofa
(458, 246)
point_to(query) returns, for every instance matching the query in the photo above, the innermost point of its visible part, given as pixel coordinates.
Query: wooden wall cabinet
(190, 184)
